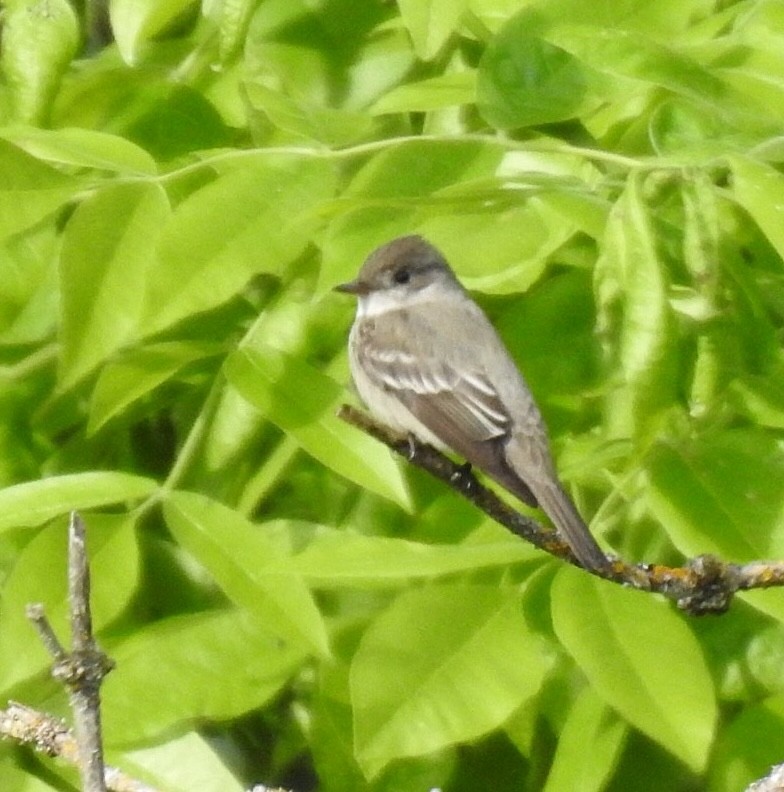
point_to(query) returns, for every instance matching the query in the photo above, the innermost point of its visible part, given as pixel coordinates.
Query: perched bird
(426, 361)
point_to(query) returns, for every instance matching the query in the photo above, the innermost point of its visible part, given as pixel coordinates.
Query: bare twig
(262, 788)
(52, 737)
(37, 615)
(773, 782)
(704, 585)
(83, 670)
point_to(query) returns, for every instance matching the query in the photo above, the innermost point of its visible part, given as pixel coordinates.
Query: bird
(428, 363)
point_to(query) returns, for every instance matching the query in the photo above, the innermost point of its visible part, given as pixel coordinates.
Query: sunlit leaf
(170, 671)
(341, 558)
(30, 190)
(34, 502)
(592, 730)
(443, 664)
(724, 495)
(134, 22)
(123, 382)
(82, 147)
(256, 217)
(430, 23)
(108, 250)
(758, 188)
(302, 402)
(180, 763)
(232, 18)
(443, 91)
(248, 562)
(38, 41)
(642, 659)
(631, 284)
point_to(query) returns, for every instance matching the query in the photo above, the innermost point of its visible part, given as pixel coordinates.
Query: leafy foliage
(287, 603)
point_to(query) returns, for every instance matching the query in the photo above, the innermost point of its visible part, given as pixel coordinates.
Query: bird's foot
(462, 476)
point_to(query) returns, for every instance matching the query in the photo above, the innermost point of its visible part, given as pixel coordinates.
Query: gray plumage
(426, 360)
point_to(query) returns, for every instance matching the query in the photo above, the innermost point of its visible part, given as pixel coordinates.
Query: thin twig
(52, 737)
(83, 670)
(704, 585)
(37, 615)
(773, 782)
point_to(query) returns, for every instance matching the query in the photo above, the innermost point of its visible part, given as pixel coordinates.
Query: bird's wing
(451, 398)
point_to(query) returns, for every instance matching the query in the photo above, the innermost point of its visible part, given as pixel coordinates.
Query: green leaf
(662, 20)
(135, 22)
(746, 753)
(302, 401)
(417, 168)
(591, 730)
(631, 285)
(40, 575)
(641, 659)
(525, 81)
(232, 18)
(30, 190)
(29, 299)
(722, 495)
(761, 399)
(686, 127)
(39, 38)
(139, 372)
(346, 559)
(187, 762)
(446, 90)
(256, 217)
(35, 502)
(510, 249)
(249, 562)
(84, 148)
(636, 55)
(441, 665)
(108, 249)
(431, 23)
(181, 670)
(17, 779)
(331, 126)
(758, 188)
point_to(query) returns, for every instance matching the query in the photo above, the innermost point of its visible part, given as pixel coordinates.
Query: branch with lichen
(52, 737)
(81, 671)
(703, 585)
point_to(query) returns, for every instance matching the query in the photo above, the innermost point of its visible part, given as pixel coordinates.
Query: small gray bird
(426, 361)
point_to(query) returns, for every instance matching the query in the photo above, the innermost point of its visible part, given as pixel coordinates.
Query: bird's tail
(570, 525)
(544, 491)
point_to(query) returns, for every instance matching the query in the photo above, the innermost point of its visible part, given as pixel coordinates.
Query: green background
(286, 603)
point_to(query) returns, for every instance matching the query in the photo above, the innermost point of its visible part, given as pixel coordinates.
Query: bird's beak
(352, 287)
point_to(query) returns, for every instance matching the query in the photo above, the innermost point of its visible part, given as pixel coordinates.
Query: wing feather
(462, 397)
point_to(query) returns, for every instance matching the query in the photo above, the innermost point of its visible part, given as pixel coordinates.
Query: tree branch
(773, 782)
(52, 737)
(83, 670)
(704, 585)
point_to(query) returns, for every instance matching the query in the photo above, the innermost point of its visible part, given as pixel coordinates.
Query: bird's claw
(462, 475)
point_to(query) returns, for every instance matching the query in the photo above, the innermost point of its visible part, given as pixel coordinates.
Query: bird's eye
(401, 276)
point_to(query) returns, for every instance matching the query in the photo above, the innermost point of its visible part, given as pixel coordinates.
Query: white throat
(382, 301)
